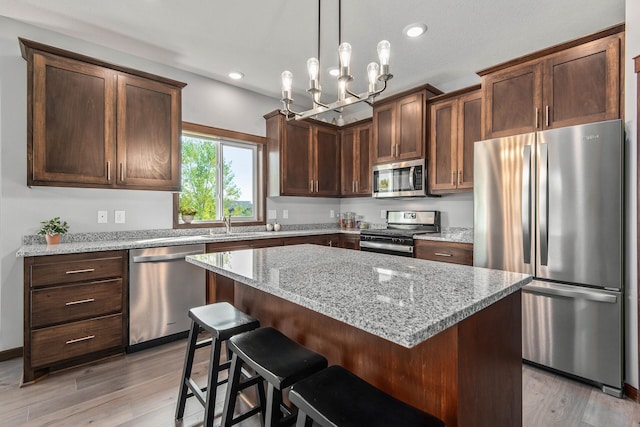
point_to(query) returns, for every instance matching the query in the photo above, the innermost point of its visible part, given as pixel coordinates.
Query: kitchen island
(444, 338)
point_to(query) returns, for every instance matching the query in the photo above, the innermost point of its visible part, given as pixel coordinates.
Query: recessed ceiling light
(236, 75)
(333, 71)
(414, 30)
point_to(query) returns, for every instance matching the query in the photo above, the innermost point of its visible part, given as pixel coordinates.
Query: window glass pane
(239, 181)
(199, 181)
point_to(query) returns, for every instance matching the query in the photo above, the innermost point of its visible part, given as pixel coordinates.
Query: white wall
(632, 40)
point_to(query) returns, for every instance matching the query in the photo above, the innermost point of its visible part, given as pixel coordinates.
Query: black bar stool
(276, 359)
(336, 397)
(222, 321)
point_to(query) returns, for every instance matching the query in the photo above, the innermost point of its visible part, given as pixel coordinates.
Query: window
(221, 176)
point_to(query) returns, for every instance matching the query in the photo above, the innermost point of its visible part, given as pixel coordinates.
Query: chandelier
(375, 73)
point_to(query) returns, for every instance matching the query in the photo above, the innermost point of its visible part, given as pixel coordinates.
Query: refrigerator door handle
(577, 293)
(543, 214)
(526, 205)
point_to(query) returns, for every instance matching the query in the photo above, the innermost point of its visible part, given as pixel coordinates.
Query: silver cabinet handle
(356, 186)
(387, 246)
(86, 270)
(459, 177)
(453, 177)
(166, 257)
(88, 337)
(108, 171)
(546, 116)
(353, 186)
(82, 301)
(441, 254)
(526, 205)
(121, 171)
(316, 186)
(537, 117)
(543, 214)
(397, 149)
(310, 186)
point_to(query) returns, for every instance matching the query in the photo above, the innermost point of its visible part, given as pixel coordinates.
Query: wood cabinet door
(443, 137)
(149, 126)
(410, 132)
(348, 162)
(362, 168)
(73, 126)
(582, 84)
(384, 131)
(469, 131)
(327, 162)
(512, 100)
(296, 160)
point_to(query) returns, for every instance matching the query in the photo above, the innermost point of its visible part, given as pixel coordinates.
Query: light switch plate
(119, 217)
(383, 214)
(272, 214)
(285, 214)
(102, 217)
(332, 213)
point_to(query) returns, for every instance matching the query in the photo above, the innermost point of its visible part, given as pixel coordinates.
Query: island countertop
(403, 300)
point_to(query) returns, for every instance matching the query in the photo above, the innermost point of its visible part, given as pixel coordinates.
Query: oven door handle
(387, 246)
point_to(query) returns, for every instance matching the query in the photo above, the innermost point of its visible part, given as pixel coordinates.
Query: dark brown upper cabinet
(94, 124)
(399, 125)
(455, 124)
(574, 83)
(356, 160)
(303, 157)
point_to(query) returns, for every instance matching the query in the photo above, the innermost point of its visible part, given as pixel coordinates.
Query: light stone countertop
(450, 234)
(403, 300)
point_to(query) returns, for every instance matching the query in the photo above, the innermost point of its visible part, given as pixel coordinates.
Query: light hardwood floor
(140, 389)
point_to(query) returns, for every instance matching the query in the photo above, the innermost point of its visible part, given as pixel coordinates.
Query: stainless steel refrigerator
(550, 204)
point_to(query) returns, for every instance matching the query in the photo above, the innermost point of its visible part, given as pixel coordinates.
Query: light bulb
(313, 65)
(384, 51)
(287, 81)
(373, 71)
(344, 52)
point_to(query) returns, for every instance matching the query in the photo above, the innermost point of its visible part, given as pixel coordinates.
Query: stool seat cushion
(276, 358)
(223, 320)
(336, 397)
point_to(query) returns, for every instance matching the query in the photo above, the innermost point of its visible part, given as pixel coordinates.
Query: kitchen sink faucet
(227, 223)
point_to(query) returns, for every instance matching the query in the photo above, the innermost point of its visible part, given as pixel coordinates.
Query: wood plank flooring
(140, 389)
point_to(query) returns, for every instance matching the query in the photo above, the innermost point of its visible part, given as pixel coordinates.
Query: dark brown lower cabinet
(453, 252)
(75, 310)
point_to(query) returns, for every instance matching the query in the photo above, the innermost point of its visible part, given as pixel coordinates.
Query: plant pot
(52, 239)
(187, 219)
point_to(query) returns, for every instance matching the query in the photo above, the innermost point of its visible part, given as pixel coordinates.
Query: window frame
(231, 136)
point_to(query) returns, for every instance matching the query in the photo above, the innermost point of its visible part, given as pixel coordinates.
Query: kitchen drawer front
(456, 253)
(59, 304)
(75, 269)
(58, 343)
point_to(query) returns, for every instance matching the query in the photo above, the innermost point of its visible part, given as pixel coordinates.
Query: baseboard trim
(631, 392)
(14, 353)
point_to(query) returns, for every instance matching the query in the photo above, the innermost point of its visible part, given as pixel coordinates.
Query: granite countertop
(403, 300)
(451, 234)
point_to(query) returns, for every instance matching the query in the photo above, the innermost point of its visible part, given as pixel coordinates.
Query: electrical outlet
(102, 217)
(272, 214)
(119, 217)
(383, 214)
(332, 213)
(285, 214)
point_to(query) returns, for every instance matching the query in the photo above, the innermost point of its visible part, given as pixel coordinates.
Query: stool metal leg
(212, 383)
(186, 370)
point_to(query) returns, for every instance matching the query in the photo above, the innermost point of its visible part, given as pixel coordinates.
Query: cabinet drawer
(59, 304)
(456, 253)
(60, 271)
(57, 343)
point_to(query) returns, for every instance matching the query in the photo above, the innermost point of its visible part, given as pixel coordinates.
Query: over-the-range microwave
(401, 179)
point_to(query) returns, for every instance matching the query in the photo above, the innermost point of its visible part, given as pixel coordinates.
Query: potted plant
(53, 229)
(187, 212)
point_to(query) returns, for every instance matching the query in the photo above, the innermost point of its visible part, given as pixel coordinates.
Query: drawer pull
(442, 254)
(82, 301)
(86, 270)
(88, 337)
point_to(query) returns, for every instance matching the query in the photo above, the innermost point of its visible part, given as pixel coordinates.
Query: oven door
(403, 179)
(383, 245)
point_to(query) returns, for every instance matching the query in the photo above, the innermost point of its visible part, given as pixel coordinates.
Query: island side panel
(490, 365)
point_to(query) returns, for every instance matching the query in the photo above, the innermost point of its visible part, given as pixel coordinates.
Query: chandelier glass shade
(375, 73)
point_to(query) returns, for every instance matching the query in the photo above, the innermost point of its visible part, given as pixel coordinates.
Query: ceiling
(262, 38)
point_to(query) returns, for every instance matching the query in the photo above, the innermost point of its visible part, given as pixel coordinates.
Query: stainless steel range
(397, 238)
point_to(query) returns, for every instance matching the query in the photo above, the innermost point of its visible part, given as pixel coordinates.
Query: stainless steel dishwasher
(162, 289)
